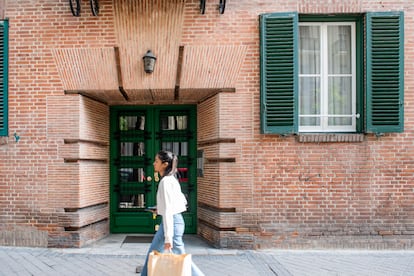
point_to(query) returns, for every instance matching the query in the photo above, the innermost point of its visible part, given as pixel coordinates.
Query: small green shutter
(3, 78)
(278, 79)
(385, 72)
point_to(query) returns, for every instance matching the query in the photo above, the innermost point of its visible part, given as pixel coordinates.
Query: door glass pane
(132, 149)
(178, 148)
(181, 122)
(131, 123)
(131, 175)
(183, 148)
(173, 122)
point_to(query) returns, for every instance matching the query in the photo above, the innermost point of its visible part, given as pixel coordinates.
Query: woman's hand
(167, 246)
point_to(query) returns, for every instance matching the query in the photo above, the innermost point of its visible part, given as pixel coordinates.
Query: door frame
(153, 113)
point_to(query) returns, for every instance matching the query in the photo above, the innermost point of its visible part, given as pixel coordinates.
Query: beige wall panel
(87, 68)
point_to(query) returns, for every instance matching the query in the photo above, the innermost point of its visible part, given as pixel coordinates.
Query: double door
(137, 134)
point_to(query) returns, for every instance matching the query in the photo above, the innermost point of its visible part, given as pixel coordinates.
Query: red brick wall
(78, 183)
(38, 185)
(257, 191)
(292, 194)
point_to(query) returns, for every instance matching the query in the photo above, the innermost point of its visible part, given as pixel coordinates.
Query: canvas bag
(169, 264)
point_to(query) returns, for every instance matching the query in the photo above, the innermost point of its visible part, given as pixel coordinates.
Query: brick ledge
(330, 138)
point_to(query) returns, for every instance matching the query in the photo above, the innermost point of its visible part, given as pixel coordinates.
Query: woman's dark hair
(171, 159)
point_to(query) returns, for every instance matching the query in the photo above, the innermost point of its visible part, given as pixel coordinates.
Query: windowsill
(330, 138)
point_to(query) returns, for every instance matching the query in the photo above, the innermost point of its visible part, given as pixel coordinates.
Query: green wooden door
(137, 134)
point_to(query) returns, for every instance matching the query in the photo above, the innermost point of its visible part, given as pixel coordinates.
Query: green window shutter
(279, 78)
(4, 30)
(385, 72)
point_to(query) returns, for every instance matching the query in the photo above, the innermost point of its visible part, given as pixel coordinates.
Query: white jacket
(170, 201)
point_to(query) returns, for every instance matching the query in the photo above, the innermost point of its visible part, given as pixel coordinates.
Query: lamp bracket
(75, 7)
(202, 6)
(221, 6)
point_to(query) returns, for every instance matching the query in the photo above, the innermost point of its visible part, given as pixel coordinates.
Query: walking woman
(171, 202)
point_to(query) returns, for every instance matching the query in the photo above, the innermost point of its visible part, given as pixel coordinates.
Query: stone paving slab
(111, 257)
(28, 261)
(345, 262)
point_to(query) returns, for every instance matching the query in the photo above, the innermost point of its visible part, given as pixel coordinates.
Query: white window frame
(324, 116)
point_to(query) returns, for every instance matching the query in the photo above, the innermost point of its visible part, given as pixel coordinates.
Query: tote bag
(169, 264)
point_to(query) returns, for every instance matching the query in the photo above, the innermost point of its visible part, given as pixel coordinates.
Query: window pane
(309, 101)
(310, 121)
(339, 50)
(131, 123)
(326, 77)
(340, 100)
(309, 50)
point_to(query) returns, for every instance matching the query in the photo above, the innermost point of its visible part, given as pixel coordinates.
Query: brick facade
(258, 191)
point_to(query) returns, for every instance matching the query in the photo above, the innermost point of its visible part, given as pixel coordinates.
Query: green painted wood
(124, 182)
(279, 72)
(4, 57)
(385, 72)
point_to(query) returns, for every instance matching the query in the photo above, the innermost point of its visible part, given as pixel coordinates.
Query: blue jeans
(178, 244)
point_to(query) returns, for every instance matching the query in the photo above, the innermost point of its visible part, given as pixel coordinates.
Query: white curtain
(340, 74)
(325, 74)
(310, 70)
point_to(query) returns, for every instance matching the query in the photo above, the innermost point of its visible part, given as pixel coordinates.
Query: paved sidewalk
(111, 256)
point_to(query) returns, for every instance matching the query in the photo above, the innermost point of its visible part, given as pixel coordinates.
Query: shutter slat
(3, 78)
(385, 57)
(278, 34)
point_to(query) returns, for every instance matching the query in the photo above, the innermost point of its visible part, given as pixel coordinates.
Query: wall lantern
(149, 62)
